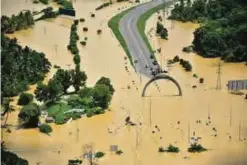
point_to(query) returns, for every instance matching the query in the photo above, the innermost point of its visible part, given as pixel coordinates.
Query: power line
(218, 85)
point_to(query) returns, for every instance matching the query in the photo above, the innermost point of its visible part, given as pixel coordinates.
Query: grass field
(114, 25)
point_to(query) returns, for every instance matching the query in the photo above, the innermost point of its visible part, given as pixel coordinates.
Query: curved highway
(137, 47)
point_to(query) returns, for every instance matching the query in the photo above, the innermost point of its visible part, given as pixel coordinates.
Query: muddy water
(103, 56)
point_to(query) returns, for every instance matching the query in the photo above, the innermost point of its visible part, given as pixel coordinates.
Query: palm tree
(7, 109)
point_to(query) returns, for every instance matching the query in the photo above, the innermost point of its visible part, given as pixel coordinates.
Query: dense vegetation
(16, 22)
(25, 98)
(9, 158)
(185, 64)
(65, 3)
(161, 31)
(45, 2)
(104, 5)
(48, 13)
(45, 128)
(196, 148)
(74, 37)
(224, 29)
(29, 115)
(20, 67)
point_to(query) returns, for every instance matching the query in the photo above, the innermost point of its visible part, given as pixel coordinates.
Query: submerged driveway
(137, 47)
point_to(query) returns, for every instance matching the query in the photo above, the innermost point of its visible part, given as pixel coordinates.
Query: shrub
(76, 22)
(161, 149)
(85, 29)
(82, 20)
(172, 148)
(99, 31)
(56, 66)
(83, 43)
(164, 33)
(85, 38)
(45, 128)
(119, 152)
(92, 15)
(89, 113)
(176, 59)
(159, 18)
(45, 2)
(201, 80)
(196, 148)
(35, 1)
(188, 49)
(74, 162)
(77, 59)
(99, 154)
(25, 98)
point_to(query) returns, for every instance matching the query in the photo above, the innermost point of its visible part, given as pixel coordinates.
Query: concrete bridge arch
(165, 77)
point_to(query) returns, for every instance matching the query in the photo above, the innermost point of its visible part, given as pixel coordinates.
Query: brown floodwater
(103, 56)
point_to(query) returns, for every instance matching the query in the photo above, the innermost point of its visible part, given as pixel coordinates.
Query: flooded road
(103, 56)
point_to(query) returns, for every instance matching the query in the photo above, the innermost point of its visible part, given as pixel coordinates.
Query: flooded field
(161, 120)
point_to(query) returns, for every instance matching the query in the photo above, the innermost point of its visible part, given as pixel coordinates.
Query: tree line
(20, 67)
(223, 32)
(16, 22)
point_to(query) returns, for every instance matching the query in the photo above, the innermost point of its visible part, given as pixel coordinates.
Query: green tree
(77, 59)
(102, 95)
(86, 92)
(64, 77)
(8, 108)
(106, 81)
(78, 79)
(25, 98)
(49, 92)
(29, 115)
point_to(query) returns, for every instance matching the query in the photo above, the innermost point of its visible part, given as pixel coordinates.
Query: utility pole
(231, 116)
(239, 131)
(218, 85)
(150, 110)
(189, 133)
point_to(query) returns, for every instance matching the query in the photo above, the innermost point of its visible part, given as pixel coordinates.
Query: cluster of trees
(224, 29)
(16, 22)
(59, 84)
(20, 67)
(9, 158)
(161, 31)
(104, 5)
(74, 37)
(29, 115)
(48, 13)
(94, 99)
(25, 98)
(185, 64)
(170, 148)
(45, 2)
(65, 3)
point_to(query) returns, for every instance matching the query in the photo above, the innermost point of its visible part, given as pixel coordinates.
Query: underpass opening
(161, 77)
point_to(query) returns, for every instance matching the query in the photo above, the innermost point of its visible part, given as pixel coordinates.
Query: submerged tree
(29, 115)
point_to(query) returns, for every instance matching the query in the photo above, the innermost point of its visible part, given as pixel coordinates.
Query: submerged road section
(137, 47)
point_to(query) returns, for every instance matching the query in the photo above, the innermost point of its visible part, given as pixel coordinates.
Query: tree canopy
(16, 22)
(224, 27)
(20, 67)
(29, 115)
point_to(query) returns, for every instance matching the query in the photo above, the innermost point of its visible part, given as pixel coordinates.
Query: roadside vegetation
(141, 23)
(161, 31)
(45, 128)
(223, 30)
(114, 25)
(104, 5)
